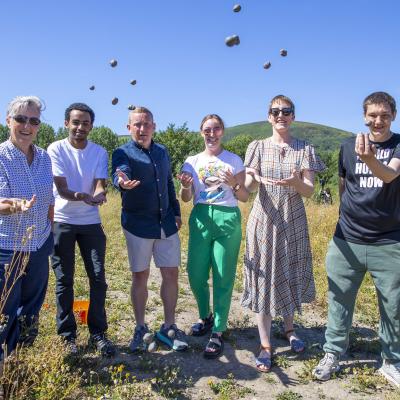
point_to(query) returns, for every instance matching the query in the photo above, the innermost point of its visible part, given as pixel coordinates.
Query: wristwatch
(236, 187)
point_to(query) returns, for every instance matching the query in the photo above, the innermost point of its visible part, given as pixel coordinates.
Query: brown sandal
(263, 364)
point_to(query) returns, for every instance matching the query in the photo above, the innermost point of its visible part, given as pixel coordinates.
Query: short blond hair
(140, 110)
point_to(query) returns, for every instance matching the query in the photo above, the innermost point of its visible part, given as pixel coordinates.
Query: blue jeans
(92, 244)
(26, 297)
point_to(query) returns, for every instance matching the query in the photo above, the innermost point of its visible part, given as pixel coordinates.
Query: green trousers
(214, 240)
(346, 265)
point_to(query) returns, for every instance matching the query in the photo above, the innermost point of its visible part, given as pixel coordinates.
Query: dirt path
(189, 375)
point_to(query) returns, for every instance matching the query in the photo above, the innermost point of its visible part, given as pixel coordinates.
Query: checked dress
(278, 262)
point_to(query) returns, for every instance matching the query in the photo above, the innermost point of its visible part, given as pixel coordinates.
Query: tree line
(180, 142)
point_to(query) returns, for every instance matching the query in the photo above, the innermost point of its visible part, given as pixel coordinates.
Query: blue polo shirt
(152, 205)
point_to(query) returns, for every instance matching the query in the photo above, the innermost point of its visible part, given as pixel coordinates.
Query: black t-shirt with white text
(369, 208)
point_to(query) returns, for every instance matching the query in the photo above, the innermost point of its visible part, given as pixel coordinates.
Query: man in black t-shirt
(367, 237)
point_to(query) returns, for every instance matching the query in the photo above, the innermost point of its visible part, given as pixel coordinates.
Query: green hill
(322, 137)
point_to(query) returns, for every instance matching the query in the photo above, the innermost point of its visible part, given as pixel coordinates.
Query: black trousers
(92, 244)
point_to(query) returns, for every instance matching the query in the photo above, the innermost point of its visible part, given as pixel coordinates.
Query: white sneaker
(391, 371)
(326, 367)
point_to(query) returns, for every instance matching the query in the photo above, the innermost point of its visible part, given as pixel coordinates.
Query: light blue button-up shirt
(20, 180)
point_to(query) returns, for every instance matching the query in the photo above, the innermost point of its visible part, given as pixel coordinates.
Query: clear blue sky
(338, 52)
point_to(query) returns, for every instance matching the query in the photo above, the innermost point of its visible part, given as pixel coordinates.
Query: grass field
(44, 371)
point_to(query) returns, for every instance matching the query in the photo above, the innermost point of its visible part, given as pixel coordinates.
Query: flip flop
(263, 364)
(297, 345)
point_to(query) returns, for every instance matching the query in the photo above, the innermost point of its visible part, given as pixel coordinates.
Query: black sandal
(215, 346)
(201, 328)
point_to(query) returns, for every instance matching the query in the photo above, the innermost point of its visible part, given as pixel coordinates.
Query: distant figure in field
(325, 196)
(26, 213)
(278, 263)
(214, 179)
(367, 237)
(150, 219)
(80, 169)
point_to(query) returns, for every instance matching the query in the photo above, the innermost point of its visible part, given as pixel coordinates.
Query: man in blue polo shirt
(141, 171)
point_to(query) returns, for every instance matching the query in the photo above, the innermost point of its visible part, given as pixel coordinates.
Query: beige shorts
(165, 251)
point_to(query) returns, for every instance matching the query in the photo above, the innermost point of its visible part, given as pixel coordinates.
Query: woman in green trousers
(214, 179)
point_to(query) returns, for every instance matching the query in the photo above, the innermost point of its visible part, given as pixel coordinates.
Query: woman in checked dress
(278, 263)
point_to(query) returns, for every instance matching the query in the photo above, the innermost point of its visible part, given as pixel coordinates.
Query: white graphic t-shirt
(208, 187)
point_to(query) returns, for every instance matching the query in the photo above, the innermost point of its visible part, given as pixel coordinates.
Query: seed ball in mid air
(283, 52)
(267, 65)
(114, 101)
(368, 123)
(131, 107)
(92, 87)
(237, 8)
(232, 40)
(133, 82)
(113, 63)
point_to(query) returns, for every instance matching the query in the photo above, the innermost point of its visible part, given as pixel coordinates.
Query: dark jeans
(21, 309)
(92, 244)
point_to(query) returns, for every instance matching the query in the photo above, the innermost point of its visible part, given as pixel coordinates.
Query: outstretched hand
(124, 182)
(292, 180)
(363, 148)
(13, 205)
(228, 177)
(186, 179)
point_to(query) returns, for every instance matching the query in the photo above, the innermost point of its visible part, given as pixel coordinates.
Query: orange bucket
(81, 309)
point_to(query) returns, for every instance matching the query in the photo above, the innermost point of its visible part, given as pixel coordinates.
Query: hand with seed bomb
(124, 182)
(185, 179)
(363, 148)
(13, 205)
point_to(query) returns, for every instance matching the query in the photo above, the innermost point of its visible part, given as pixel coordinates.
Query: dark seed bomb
(92, 87)
(113, 63)
(133, 82)
(232, 40)
(131, 107)
(237, 8)
(267, 65)
(114, 101)
(283, 52)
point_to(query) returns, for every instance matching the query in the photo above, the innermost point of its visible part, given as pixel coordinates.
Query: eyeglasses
(23, 119)
(216, 129)
(285, 111)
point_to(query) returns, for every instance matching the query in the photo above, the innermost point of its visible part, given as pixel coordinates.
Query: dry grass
(89, 376)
